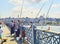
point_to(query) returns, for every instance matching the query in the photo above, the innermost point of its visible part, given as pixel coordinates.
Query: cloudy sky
(30, 9)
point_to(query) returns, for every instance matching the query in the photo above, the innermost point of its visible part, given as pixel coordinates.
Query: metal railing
(36, 36)
(42, 37)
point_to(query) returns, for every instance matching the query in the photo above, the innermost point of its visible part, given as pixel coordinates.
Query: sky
(30, 8)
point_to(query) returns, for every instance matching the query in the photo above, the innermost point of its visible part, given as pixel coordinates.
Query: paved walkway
(5, 35)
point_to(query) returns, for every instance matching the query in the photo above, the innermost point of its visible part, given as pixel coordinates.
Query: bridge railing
(29, 33)
(42, 37)
(37, 36)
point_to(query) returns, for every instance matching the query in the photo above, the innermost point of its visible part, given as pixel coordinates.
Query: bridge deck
(5, 35)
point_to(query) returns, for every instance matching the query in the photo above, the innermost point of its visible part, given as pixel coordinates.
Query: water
(55, 29)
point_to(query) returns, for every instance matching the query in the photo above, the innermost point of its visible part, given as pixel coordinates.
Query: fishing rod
(49, 9)
(40, 9)
(21, 8)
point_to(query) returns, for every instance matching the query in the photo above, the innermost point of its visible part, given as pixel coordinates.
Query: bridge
(41, 34)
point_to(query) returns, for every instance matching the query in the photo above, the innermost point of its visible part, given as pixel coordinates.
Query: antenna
(40, 9)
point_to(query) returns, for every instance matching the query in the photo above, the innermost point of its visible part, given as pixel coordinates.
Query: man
(22, 32)
(12, 27)
(26, 41)
(17, 30)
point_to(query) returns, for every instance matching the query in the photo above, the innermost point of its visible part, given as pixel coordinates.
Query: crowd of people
(17, 29)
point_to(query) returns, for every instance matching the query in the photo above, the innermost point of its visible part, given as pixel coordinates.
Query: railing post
(38, 38)
(34, 34)
(59, 39)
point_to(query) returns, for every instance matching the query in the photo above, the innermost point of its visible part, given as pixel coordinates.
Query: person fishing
(26, 41)
(22, 32)
(12, 27)
(1, 33)
(17, 30)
